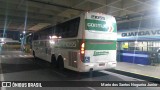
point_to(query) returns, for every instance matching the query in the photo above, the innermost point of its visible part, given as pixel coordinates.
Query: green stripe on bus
(90, 44)
(115, 27)
(100, 45)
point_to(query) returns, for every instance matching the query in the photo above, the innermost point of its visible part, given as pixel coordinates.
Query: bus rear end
(98, 48)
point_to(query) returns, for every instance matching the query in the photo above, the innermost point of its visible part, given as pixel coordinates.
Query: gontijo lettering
(97, 53)
(96, 25)
(68, 44)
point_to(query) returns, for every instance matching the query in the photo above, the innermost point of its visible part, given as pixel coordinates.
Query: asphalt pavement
(18, 66)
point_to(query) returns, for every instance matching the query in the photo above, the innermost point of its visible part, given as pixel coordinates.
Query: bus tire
(60, 63)
(53, 61)
(34, 55)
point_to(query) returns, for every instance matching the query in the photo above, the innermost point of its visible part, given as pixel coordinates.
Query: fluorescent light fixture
(50, 37)
(136, 42)
(51, 42)
(59, 37)
(54, 37)
(24, 32)
(3, 43)
(2, 39)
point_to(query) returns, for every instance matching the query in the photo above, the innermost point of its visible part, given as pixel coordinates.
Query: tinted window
(35, 36)
(67, 29)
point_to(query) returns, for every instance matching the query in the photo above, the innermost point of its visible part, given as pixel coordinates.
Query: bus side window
(74, 26)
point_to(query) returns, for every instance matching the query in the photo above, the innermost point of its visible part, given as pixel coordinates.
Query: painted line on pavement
(2, 76)
(91, 88)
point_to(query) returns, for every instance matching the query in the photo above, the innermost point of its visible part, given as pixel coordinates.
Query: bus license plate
(102, 64)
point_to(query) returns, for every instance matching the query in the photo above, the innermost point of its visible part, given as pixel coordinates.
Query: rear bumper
(86, 67)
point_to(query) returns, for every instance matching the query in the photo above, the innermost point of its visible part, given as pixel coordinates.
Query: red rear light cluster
(82, 51)
(82, 48)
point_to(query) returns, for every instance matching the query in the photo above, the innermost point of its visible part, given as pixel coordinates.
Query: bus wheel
(60, 63)
(34, 55)
(53, 61)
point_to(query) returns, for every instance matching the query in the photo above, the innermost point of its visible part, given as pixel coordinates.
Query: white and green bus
(85, 43)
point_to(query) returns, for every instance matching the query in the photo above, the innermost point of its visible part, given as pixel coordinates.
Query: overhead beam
(16, 30)
(21, 19)
(57, 5)
(34, 6)
(22, 13)
(31, 16)
(61, 14)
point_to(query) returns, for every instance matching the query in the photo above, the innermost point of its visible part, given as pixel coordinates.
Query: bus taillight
(82, 48)
(82, 51)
